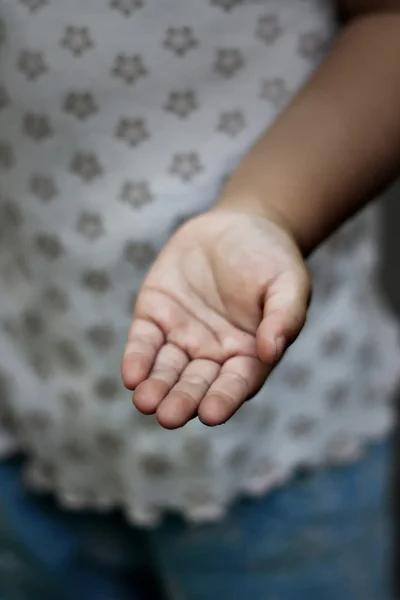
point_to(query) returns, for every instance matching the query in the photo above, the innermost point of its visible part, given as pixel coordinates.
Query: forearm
(337, 144)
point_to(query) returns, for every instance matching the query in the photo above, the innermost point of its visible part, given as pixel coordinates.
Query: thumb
(285, 311)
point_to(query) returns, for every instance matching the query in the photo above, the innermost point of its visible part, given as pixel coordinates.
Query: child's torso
(117, 122)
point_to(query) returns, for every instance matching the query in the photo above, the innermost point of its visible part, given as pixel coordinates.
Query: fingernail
(280, 344)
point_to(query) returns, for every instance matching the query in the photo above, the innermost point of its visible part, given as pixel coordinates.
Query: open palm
(221, 303)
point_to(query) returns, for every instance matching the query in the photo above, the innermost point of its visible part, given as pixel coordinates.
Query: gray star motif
(75, 452)
(186, 166)
(10, 216)
(96, 281)
(228, 62)
(132, 131)
(182, 103)
(56, 299)
(90, 226)
(77, 40)
(49, 246)
(180, 40)
(129, 68)
(136, 193)
(338, 395)
(126, 7)
(37, 127)
(154, 465)
(274, 90)
(35, 5)
(86, 166)
(268, 28)
(7, 156)
(231, 123)
(140, 254)
(334, 343)
(32, 64)
(72, 401)
(107, 388)
(32, 323)
(227, 5)
(38, 420)
(298, 375)
(312, 45)
(109, 442)
(80, 104)
(43, 187)
(302, 425)
(101, 336)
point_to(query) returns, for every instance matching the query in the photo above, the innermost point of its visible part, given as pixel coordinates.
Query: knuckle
(238, 380)
(194, 380)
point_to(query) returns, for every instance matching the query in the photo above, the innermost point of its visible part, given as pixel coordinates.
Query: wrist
(264, 208)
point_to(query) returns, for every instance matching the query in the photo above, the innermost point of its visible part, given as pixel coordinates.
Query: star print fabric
(119, 121)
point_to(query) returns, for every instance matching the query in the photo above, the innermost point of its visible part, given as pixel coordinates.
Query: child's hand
(221, 303)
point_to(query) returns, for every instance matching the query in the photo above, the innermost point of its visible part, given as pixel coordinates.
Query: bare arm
(338, 142)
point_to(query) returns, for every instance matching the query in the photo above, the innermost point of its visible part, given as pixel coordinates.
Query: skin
(230, 291)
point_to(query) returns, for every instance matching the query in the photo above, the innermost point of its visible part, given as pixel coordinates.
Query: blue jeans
(324, 536)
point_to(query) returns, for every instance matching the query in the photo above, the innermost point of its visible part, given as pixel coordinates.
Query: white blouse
(118, 120)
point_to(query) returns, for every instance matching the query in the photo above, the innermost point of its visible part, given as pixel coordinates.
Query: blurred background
(391, 284)
(391, 247)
